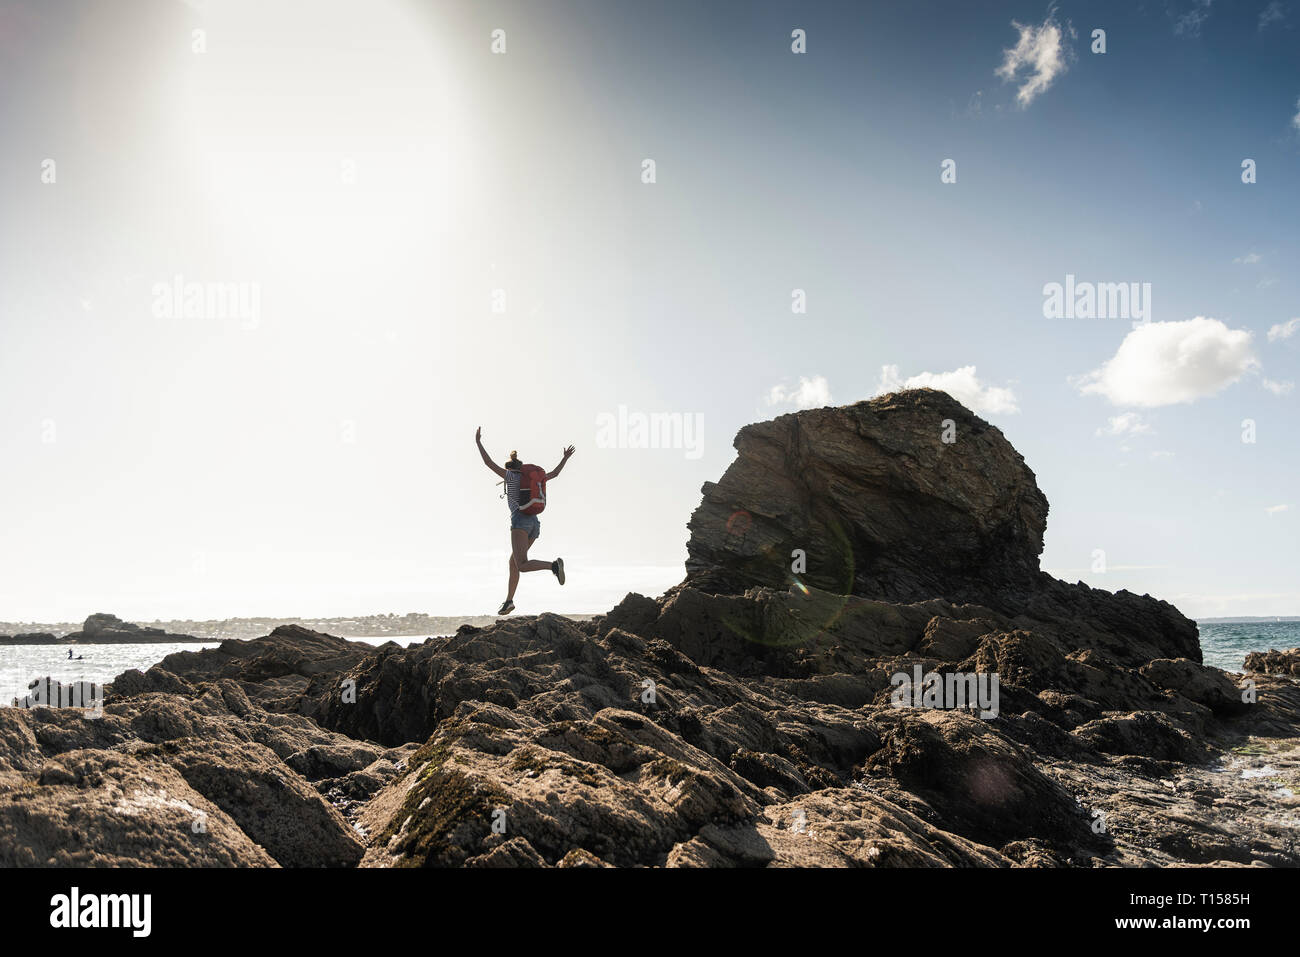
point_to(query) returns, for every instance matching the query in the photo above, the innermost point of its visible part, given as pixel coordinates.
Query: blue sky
(373, 180)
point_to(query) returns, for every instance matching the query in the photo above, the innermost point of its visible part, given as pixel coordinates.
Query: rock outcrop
(1275, 662)
(210, 778)
(102, 628)
(277, 671)
(752, 716)
(907, 497)
(31, 638)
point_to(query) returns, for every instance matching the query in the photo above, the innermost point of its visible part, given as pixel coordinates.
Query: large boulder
(879, 502)
(907, 497)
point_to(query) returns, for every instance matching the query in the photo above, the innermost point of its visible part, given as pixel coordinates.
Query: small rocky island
(101, 629)
(751, 716)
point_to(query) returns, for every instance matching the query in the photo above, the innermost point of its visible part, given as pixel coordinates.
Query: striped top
(512, 491)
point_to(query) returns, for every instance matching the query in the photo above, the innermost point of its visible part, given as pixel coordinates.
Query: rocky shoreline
(752, 716)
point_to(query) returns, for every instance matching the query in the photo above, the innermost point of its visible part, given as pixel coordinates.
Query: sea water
(20, 665)
(1225, 644)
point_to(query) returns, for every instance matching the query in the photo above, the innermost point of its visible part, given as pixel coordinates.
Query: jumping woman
(524, 529)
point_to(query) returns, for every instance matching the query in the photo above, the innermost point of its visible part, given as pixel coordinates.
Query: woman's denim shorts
(529, 523)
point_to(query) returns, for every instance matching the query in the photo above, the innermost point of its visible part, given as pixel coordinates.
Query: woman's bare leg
(520, 543)
(514, 579)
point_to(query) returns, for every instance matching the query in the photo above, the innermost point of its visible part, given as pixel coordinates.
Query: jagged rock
(278, 670)
(619, 787)
(844, 827)
(1146, 733)
(273, 806)
(950, 639)
(58, 730)
(516, 852)
(105, 809)
(19, 750)
(580, 858)
(974, 780)
(879, 502)
(1131, 629)
(254, 766)
(1274, 662)
(134, 682)
(1207, 686)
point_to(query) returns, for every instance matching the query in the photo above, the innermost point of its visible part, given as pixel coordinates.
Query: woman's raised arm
(565, 458)
(487, 459)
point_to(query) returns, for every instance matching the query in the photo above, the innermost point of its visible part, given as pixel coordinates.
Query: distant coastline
(222, 629)
(1246, 619)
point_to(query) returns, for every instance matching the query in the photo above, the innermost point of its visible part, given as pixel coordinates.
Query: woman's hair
(514, 462)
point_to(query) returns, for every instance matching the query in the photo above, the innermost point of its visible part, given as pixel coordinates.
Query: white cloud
(1295, 120)
(1126, 423)
(1189, 24)
(1271, 14)
(1274, 509)
(1249, 259)
(962, 384)
(1163, 363)
(809, 394)
(1159, 454)
(1037, 59)
(1284, 330)
(1278, 388)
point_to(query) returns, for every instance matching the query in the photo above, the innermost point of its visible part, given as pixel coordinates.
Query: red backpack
(532, 489)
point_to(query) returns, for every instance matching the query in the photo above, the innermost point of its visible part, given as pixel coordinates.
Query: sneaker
(557, 566)
(506, 608)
